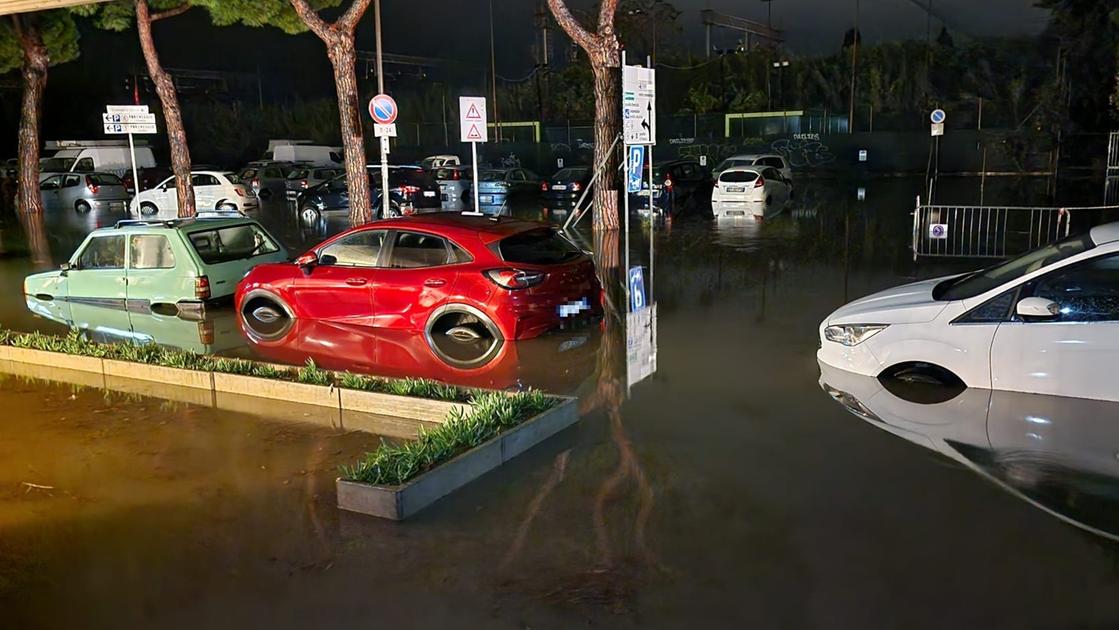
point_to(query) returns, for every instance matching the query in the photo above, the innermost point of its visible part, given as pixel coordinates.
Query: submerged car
(84, 192)
(454, 186)
(440, 274)
(759, 160)
(680, 188)
(410, 191)
(179, 265)
(748, 191)
(213, 190)
(1046, 322)
(301, 179)
(567, 186)
(497, 187)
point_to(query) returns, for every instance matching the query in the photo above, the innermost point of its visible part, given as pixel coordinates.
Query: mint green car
(178, 265)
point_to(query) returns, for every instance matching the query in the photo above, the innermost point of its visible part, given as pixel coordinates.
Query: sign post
(383, 110)
(129, 119)
(473, 128)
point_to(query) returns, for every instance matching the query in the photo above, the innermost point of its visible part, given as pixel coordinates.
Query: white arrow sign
(114, 128)
(146, 119)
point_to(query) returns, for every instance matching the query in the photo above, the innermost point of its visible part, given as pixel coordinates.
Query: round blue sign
(383, 109)
(938, 116)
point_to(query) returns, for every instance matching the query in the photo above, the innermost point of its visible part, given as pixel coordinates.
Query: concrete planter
(55, 359)
(319, 395)
(158, 374)
(399, 406)
(400, 502)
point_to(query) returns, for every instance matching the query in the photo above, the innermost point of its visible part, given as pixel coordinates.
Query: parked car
(748, 191)
(149, 178)
(9, 167)
(1046, 322)
(180, 264)
(300, 179)
(84, 192)
(566, 187)
(213, 190)
(433, 162)
(265, 178)
(454, 183)
(497, 187)
(759, 159)
(680, 188)
(310, 154)
(440, 274)
(411, 191)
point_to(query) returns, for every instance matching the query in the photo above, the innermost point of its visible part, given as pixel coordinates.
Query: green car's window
(152, 252)
(104, 252)
(235, 242)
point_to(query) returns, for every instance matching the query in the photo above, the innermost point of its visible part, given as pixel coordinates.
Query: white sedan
(746, 191)
(213, 190)
(1046, 322)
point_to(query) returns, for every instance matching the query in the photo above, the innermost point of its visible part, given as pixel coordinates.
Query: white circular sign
(938, 116)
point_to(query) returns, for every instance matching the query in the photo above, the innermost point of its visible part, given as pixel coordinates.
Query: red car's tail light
(514, 278)
(456, 174)
(303, 183)
(759, 182)
(93, 188)
(410, 190)
(543, 186)
(202, 288)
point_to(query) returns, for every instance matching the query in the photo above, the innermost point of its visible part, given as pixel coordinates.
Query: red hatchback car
(442, 274)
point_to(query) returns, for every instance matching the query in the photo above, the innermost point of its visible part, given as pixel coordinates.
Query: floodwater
(729, 490)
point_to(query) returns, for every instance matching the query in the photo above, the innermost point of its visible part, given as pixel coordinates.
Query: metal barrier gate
(986, 231)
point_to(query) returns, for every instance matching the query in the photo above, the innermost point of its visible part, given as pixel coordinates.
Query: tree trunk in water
(172, 115)
(35, 229)
(343, 58)
(606, 128)
(36, 62)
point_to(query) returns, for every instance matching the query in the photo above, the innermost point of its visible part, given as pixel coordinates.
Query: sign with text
(639, 105)
(120, 128)
(641, 344)
(472, 119)
(126, 109)
(937, 129)
(384, 131)
(128, 118)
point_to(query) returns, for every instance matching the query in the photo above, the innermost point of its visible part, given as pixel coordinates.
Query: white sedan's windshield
(980, 282)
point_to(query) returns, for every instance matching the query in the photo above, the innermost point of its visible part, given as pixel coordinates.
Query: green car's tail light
(202, 288)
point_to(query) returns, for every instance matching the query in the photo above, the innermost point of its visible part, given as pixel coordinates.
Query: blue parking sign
(636, 289)
(636, 157)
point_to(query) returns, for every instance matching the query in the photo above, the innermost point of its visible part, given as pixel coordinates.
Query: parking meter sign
(938, 231)
(635, 160)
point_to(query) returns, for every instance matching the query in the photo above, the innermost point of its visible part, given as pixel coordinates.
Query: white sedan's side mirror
(1038, 308)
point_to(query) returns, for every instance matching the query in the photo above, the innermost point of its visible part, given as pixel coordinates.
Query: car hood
(907, 304)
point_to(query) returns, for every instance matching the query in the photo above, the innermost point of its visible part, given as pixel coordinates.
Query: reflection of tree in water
(609, 583)
(35, 230)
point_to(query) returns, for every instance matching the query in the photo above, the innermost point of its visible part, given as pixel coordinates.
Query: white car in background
(213, 190)
(747, 191)
(756, 159)
(1046, 322)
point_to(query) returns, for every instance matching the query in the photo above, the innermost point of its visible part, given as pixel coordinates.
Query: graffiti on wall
(803, 151)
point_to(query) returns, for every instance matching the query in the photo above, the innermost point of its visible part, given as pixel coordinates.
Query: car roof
(185, 225)
(457, 224)
(746, 169)
(1106, 233)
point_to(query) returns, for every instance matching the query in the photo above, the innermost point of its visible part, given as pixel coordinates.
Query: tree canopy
(119, 15)
(60, 35)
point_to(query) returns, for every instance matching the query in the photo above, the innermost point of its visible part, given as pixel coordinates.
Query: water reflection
(1059, 454)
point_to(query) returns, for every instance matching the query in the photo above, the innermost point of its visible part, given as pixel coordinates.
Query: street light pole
(385, 195)
(493, 78)
(854, 67)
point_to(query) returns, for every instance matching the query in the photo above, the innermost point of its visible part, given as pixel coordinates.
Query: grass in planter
(414, 387)
(491, 413)
(312, 374)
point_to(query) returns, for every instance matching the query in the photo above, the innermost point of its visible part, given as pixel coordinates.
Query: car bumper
(115, 205)
(746, 208)
(560, 199)
(521, 318)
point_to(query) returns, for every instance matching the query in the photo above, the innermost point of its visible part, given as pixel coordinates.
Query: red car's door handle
(356, 282)
(434, 282)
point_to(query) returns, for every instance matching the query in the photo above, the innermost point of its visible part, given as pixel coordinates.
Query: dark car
(680, 188)
(301, 179)
(566, 187)
(496, 187)
(149, 178)
(411, 191)
(268, 178)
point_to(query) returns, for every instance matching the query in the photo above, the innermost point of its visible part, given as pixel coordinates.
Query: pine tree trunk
(343, 59)
(607, 125)
(36, 62)
(172, 114)
(35, 231)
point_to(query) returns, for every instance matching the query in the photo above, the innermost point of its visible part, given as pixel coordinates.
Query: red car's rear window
(538, 247)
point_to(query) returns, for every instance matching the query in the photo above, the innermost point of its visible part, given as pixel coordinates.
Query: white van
(94, 157)
(311, 154)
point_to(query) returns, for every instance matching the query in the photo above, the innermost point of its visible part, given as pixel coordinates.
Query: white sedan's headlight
(852, 334)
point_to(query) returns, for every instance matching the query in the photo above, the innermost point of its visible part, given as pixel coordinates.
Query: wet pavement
(730, 490)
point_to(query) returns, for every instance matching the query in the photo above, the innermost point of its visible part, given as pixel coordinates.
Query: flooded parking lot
(729, 490)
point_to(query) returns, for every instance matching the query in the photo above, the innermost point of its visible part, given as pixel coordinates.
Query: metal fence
(1113, 154)
(987, 231)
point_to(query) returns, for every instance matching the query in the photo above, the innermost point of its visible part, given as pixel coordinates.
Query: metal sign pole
(385, 196)
(474, 159)
(652, 214)
(625, 189)
(135, 175)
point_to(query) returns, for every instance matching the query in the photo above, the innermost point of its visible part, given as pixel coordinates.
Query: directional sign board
(115, 128)
(383, 109)
(128, 118)
(472, 119)
(126, 109)
(639, 105)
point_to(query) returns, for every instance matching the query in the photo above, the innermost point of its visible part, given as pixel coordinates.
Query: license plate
(559, 187)
(429, 193)
(736, 189)
(735, 213)
(485, 198)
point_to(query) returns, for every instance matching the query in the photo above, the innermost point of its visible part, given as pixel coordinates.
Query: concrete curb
(319, 395)
(400, 502)
(158, 374)
(56, 359)
(400, 406)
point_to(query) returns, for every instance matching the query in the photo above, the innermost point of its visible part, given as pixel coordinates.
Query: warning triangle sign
(472, 113)
(473, 133)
